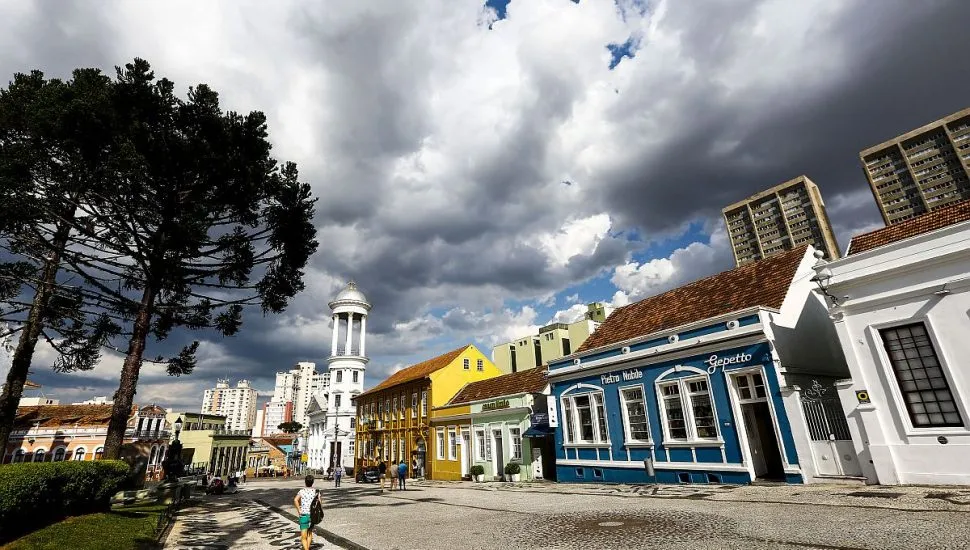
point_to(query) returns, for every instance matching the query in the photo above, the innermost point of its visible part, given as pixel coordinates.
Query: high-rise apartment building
(922, 170)
(781, 218)
(297, 386)
(554, 341)
(274, 414)
(237, 404)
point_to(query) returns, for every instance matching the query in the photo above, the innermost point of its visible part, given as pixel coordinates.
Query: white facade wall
(925, 280)
(275, 414)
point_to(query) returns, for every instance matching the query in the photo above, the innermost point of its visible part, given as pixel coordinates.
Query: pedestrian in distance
(414, 467)
(402, 475)
(337, 474)
(306, 500)
(382, 472)
(392, 474)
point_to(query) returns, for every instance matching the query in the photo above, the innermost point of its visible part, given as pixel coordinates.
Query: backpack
(316, 511)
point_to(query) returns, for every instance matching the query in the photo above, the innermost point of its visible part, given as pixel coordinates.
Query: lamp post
(172, 465)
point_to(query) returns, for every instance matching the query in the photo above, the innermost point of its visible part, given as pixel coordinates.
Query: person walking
(392, 473)
(304, 503)
(402, 475)
(337, 474)
(382, 472)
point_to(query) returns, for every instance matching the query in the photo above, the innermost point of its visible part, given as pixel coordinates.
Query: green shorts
(304, 522)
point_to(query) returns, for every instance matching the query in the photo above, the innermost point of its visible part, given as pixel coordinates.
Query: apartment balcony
(148, 434)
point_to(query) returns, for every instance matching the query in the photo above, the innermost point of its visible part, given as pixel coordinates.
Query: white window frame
(481, 442)
(466, 364)
(414, 405)
(688, 407)
(336, 402)
(400, 413)
(43, 455)
(574, 438)
(424, 403)
(63, 451)
(340, 376)
(627, 434)
(452, 443)
(888, 376)
(480, 365)
(515, 443)
(440, 440)
(74, 454)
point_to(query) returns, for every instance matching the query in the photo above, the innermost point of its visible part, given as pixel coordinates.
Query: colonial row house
(728, 379)
(393, 417)
(900, 304)
(54, 433)
(492, 423)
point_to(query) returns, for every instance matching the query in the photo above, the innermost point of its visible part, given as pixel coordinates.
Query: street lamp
(172, 465)
(178, 428)
(823, 277)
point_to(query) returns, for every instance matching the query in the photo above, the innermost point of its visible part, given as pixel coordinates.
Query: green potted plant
(478, 473)
(512, 471)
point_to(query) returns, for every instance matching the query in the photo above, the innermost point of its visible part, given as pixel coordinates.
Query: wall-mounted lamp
(822, 278)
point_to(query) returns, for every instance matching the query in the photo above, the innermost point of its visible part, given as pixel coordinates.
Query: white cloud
(575, 237)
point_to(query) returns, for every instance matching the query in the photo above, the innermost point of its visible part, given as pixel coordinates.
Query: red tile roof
(763, 283)
(415, 372)
(924, 223)
(527, 381)
(52, 416)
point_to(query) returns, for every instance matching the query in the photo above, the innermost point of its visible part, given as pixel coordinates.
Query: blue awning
(539, 430)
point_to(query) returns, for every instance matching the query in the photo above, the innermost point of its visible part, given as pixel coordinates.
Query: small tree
(290, 427)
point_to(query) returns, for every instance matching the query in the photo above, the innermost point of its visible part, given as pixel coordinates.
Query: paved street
(546, 516)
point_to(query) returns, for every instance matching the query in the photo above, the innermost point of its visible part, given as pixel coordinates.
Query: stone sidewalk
(905, 497)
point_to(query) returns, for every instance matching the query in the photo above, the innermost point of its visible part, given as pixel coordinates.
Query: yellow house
(393, 417)
(451, 427)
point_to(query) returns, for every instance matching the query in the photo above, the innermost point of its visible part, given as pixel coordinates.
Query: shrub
(478, 470)
(512, 468)
(36, 495)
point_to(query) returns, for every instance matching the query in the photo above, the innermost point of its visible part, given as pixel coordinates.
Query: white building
(260, 425)
(298, 386)
(274, 414)
(902, 312)
(101, 400)
(237, 404)
(333, 416)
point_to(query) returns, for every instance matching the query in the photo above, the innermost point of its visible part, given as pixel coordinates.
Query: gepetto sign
(713, 362)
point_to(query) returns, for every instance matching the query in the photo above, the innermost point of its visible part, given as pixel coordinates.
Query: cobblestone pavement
(433, 515)
(226, 522)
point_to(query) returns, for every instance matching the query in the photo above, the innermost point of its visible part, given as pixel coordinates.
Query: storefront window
(480, 444)
(567, 415)
(515, 434)
(585, 414)
(688, 410)
(441, 443)
(635, 414)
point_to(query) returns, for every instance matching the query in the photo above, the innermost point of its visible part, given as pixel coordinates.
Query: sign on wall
(551, 410)
(496, 405)
(539, 418)
(863, 397)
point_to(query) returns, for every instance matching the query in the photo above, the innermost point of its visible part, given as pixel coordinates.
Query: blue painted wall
(727, 423)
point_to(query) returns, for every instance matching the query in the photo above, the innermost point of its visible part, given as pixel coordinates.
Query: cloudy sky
(484, 169)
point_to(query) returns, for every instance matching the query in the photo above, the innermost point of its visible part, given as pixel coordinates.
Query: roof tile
(763, 283)
(51, 416)
(924, 223)
(417, 371)
(527, 381)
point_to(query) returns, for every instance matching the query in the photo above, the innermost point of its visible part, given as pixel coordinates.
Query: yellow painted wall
(445, 468)
(446, 382)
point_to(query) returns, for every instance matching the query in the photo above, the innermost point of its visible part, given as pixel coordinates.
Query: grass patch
(123, 528)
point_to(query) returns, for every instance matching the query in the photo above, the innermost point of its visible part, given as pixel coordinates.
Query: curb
(330, 536)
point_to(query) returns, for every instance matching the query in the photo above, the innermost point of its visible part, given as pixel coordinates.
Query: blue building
(725, 380)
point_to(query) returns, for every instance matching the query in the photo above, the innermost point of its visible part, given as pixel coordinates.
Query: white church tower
(347, 363)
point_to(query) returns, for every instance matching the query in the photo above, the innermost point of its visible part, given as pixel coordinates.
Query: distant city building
(102, 400)
(237, 404)
(274, 414)
(778, 219)
(553, 342)
(297, 386)
(922, 170)
(35, 401)
(259, 427)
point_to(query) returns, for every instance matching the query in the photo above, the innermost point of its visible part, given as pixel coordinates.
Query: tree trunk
(20, 366)
(121, 410)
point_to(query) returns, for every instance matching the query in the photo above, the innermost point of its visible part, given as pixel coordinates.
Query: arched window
(584, 415)
(18, 456)
(98, 453)
(161, 453)
(39, 455)
(79, 453)
(59, 454)
(152, 456)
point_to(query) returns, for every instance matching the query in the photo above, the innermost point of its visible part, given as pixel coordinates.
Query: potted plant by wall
(478, 473)
(512, 471)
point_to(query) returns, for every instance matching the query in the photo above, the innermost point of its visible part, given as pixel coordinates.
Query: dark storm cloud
(905, 67)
